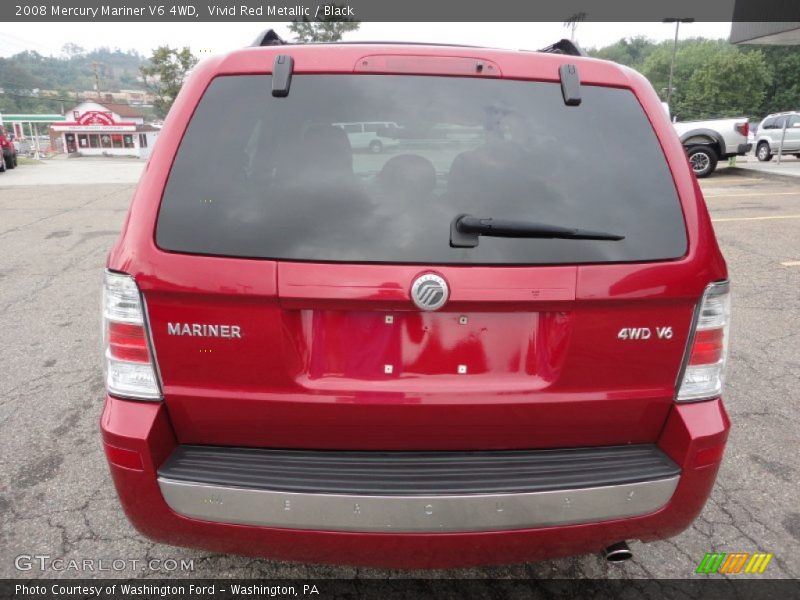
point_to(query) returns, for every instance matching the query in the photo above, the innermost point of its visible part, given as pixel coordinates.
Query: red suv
(8, 160)
(500, 340)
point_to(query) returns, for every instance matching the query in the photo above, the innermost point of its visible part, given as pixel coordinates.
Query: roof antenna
(570, 84)
(282, 70)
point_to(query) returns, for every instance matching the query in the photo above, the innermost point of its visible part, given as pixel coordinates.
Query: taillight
(743, 128)
(704, 365)
(129, 365)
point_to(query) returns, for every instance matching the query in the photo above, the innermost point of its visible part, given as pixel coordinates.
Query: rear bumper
(737, 150)
(434, 530)
(416, 492)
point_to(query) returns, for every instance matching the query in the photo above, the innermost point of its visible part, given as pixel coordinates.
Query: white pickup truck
(706, 142)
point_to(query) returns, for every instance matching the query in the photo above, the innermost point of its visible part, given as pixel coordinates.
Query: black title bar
(399, 10)
(704, 587)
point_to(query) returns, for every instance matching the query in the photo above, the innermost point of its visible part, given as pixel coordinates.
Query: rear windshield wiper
(465, 229)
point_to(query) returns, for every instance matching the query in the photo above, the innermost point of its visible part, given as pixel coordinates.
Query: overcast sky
(205, 38)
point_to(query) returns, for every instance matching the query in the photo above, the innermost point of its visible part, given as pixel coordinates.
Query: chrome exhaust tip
(618, 552)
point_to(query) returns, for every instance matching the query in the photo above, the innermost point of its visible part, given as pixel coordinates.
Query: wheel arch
(707, 137)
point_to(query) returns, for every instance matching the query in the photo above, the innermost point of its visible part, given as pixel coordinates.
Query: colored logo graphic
(735, 562)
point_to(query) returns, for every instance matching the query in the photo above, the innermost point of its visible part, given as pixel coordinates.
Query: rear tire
(703, 160)
(8, 162)
(763, 153)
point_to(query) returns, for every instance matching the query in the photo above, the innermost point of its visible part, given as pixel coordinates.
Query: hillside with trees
(73, 71)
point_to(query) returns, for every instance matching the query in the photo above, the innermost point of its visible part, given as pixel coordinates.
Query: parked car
(9, 151)
(707, 142)
(493, 350)
(771, 131)
(373, 135)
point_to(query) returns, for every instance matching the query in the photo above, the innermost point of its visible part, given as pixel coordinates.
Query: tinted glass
(768, 123)
(257, 176)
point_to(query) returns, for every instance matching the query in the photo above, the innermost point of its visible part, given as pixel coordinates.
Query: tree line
(713, 78)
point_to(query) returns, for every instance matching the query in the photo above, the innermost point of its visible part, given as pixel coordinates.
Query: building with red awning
(106, 129)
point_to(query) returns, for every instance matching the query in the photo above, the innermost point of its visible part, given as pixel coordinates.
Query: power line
(34, 97)
(19, 42)
(45, 96)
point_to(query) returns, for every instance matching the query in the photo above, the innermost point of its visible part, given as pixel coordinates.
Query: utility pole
(674, 52)
(96, 79)
(783, 137)
(37, 150)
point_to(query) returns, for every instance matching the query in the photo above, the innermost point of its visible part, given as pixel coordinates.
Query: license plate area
(381, 345)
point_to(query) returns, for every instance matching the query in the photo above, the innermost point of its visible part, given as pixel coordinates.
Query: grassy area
(24, 160)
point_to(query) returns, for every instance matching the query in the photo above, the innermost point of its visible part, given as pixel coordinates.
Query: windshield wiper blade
(465, 230)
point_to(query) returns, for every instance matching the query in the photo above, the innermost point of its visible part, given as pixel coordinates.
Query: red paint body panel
(545, 366)
(327, 367)
(146, 430)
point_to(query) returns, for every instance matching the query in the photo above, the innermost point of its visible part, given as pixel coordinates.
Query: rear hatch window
(374, 168)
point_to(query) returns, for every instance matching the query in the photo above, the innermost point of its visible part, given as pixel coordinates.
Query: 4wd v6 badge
(644, 333)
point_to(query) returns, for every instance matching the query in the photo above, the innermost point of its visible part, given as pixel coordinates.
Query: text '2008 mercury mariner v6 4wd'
(500, 339)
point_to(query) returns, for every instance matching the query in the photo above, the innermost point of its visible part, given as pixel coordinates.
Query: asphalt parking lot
(56, 497)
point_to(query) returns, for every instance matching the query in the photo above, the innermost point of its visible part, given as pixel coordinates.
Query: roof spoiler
(269, 38)
(565, 47)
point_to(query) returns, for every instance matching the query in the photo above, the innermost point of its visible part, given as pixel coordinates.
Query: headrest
(327, 148)
(410, 172)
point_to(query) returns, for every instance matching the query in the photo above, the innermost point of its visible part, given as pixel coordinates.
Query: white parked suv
(374, 136)
(771, 130)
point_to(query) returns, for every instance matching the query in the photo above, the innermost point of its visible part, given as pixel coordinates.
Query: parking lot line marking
(791, 263)
(755, 218)
(752, 195)
(720, 182)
